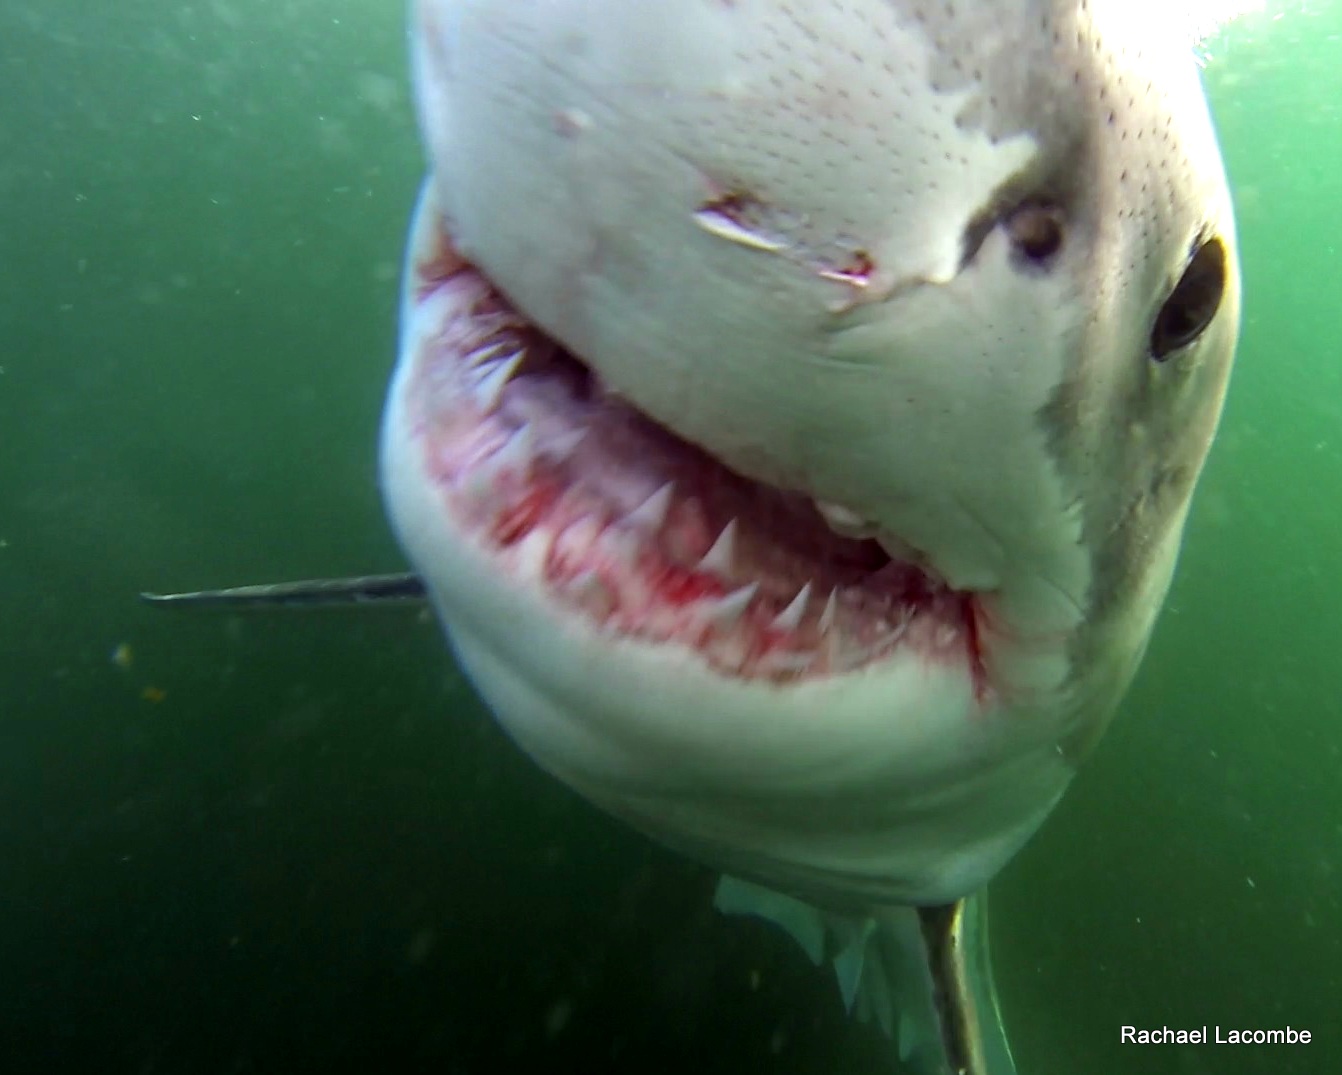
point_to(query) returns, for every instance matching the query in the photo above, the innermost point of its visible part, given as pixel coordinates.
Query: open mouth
(635, 530)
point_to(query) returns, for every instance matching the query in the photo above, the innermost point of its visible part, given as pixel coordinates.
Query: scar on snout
(726, 218)
(748, 221)
(857, 271)
(571, 122)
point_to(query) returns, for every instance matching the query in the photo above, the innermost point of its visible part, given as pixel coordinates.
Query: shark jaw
(624, 525)
(739, 670)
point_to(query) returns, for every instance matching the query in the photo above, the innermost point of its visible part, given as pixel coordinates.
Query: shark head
(799, 406)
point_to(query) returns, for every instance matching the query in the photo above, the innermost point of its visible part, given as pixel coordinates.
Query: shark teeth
(484, 353)
(590, 591)
(561, 448)
(572, 546)
(894, 634)
(830, 610)
(651, 514)
(633, 537)
(722, 555)
(790, 618)
(845, 521)
(791, 663)
(517, 454)
(727, 611)
(489, 388)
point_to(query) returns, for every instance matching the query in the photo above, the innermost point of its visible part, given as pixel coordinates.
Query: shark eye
(1193, 302)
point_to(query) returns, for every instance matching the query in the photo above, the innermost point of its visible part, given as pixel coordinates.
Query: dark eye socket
(1193, 302)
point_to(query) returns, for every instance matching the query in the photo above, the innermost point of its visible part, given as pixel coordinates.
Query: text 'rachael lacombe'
(1215, 1035)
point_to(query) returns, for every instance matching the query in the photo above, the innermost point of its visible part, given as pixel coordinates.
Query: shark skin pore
(941, 297)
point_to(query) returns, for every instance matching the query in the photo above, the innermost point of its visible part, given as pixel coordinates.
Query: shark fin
(919, 973)
(800, 921)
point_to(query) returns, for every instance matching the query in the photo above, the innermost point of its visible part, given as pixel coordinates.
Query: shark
(797, 411)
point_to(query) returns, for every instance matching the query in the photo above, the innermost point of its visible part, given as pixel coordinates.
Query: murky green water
(295, 843)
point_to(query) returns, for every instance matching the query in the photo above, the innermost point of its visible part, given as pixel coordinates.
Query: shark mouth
(569, 487)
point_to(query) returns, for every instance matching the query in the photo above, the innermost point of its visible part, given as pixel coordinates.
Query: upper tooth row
(488, 389)
(497, 371)
(497, 365)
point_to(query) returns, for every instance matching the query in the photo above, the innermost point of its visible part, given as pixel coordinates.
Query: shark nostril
(1034, 228)
(1036, 232)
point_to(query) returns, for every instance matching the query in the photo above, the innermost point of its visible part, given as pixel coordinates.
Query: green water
(295, 843)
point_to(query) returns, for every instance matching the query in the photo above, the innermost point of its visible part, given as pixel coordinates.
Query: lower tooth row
(727, 648)
(591, 592)
(576, 542)
(726, 612)
(650, 516)
(515, 456)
